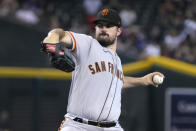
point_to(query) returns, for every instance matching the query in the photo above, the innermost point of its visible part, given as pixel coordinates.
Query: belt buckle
(99, 124)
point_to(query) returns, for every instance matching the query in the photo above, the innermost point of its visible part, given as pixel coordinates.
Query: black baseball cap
(108, 15)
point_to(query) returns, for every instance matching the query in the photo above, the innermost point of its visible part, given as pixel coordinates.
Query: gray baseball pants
(71, 125)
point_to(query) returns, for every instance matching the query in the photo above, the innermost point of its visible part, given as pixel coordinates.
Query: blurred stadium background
(158, 35)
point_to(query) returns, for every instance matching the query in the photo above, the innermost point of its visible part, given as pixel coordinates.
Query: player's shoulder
(118, 58)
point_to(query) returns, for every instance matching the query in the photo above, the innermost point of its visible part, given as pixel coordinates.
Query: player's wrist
(145, 81)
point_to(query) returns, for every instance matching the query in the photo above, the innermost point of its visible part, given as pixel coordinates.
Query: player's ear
(119, 30)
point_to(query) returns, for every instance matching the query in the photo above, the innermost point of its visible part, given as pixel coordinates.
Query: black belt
(99, 124)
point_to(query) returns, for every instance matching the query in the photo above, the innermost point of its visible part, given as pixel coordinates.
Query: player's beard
(105, 41)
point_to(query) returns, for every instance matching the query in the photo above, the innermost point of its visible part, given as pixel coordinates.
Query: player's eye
(101, 25)
(109, 25)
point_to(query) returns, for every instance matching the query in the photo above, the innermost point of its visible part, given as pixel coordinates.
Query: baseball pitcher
(94, 102)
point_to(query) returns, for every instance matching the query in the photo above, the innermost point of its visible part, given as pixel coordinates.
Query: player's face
(106, 33)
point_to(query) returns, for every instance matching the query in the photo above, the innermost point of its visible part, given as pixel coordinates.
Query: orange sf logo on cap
(105, 12)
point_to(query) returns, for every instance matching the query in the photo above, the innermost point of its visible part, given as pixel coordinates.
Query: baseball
(158, 79)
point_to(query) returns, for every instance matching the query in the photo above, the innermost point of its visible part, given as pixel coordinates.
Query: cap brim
(105, 20)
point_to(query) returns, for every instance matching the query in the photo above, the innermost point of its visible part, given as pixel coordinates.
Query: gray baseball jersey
(95, 92)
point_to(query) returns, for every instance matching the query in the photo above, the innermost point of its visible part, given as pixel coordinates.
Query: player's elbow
(58, 31)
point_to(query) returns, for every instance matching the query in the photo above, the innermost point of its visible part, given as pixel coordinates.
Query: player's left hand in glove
(57, 57)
